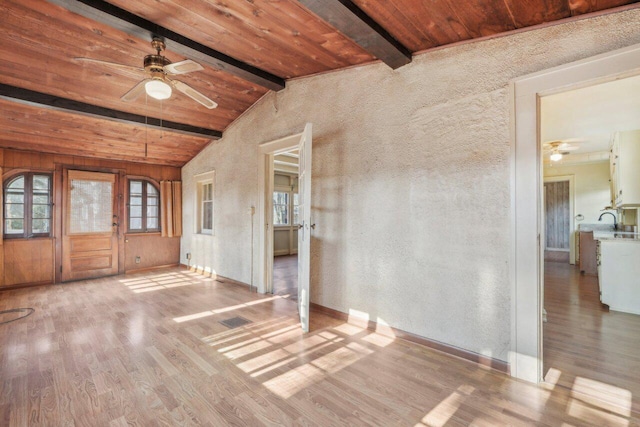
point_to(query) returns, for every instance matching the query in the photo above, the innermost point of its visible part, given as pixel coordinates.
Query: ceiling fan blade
(193, 94)
(109, 64)
(183, 67)
(135, 91)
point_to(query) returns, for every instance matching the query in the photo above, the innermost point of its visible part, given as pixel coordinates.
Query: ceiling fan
(559, 148)
(158, 85)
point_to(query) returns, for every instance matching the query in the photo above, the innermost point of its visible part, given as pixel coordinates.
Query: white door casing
(526, 271)
(303, 142)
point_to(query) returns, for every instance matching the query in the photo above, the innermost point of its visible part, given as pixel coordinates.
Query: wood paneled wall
(153, 250)
(32, 261)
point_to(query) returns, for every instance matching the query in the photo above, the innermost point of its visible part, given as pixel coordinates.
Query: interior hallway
(587, 347)
(149, 349)
(285, 276)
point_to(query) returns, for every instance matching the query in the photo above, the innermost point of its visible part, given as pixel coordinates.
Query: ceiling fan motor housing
(155, 63)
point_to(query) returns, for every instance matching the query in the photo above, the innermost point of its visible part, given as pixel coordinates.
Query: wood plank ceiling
(41, 41)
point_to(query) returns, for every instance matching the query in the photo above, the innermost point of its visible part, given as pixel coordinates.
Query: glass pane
(135, 223)
(151, 190)
(135, 201)
(152, 201)
(41, 182)
(91, 206)
(17, 183)
(135, 187)
(207, 216)
(41, 211)
(152, 211)
(40, 226)
(207, 192)
(135, 211)
(296, 197)
(14, 210)
(41, 199)
(281, 198)
(296, 215)
(280, 215)
(14, 226)
(14, 197)
(152, 223)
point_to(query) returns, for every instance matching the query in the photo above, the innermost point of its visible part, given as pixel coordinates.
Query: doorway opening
(286, 222)
(526, 262)
(272, 208)
(589, 314)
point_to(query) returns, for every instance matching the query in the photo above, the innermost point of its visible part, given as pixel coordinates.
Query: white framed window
(296, 209)
(285, 200)
(281, 208)
(205, 203)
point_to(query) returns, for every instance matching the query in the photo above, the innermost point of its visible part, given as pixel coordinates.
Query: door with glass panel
(90, 225)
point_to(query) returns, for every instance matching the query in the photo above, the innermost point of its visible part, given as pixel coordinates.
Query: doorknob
(115, 224)
(313, 226)
(300, 226)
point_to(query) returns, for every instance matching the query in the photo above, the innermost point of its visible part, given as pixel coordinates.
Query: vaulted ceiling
(52, 101)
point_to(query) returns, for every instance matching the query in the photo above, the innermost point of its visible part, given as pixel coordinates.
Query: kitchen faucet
(615, 222)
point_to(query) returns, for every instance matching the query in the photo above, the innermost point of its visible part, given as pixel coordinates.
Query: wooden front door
(90, 230)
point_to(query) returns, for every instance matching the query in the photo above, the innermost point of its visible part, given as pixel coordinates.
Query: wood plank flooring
(285, 276)
(586, 346)
(148, 350)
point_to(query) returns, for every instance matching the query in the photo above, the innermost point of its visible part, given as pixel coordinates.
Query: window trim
(144, 229)
(202, 180)
(28, 205)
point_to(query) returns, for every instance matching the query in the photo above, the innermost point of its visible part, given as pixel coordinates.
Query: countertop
(596, 227)
(620, 236)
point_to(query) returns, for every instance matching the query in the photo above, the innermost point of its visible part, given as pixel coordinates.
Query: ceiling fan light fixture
(158, 89)
(556, 156)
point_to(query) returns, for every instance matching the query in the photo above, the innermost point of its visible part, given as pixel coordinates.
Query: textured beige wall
(411, 188)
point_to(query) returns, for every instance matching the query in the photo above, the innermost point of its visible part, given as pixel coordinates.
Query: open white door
(304, 232)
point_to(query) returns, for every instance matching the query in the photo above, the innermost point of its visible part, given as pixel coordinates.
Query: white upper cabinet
(625, 168)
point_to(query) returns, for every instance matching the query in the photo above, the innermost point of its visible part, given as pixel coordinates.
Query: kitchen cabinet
(588, 263)
(624, 161)
(620, 274)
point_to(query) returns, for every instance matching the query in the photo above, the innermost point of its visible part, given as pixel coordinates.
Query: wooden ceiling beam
(136, 26)
(43, 100)
(349, 19)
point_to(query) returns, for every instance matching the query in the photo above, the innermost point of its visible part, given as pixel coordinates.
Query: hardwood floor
(586, 346)
(556, 256)
(148, 350)
(285, 276)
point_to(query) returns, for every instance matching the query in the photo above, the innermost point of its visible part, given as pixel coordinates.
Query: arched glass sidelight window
(27, 206)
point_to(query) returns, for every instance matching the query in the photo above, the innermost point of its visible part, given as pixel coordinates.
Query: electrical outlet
(137, 260)
(188, 255)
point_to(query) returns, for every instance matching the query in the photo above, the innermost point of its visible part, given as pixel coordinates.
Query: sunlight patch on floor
(291, 382)
(225, 309)
(378, 339)
(157, 282)
(443, 411)
(594, 415)
(552, 377)
(599, 395)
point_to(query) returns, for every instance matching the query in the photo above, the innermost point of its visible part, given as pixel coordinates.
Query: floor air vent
(235, 322)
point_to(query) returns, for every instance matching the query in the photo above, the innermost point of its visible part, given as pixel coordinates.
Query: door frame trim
(525, 356)
(266, 153)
